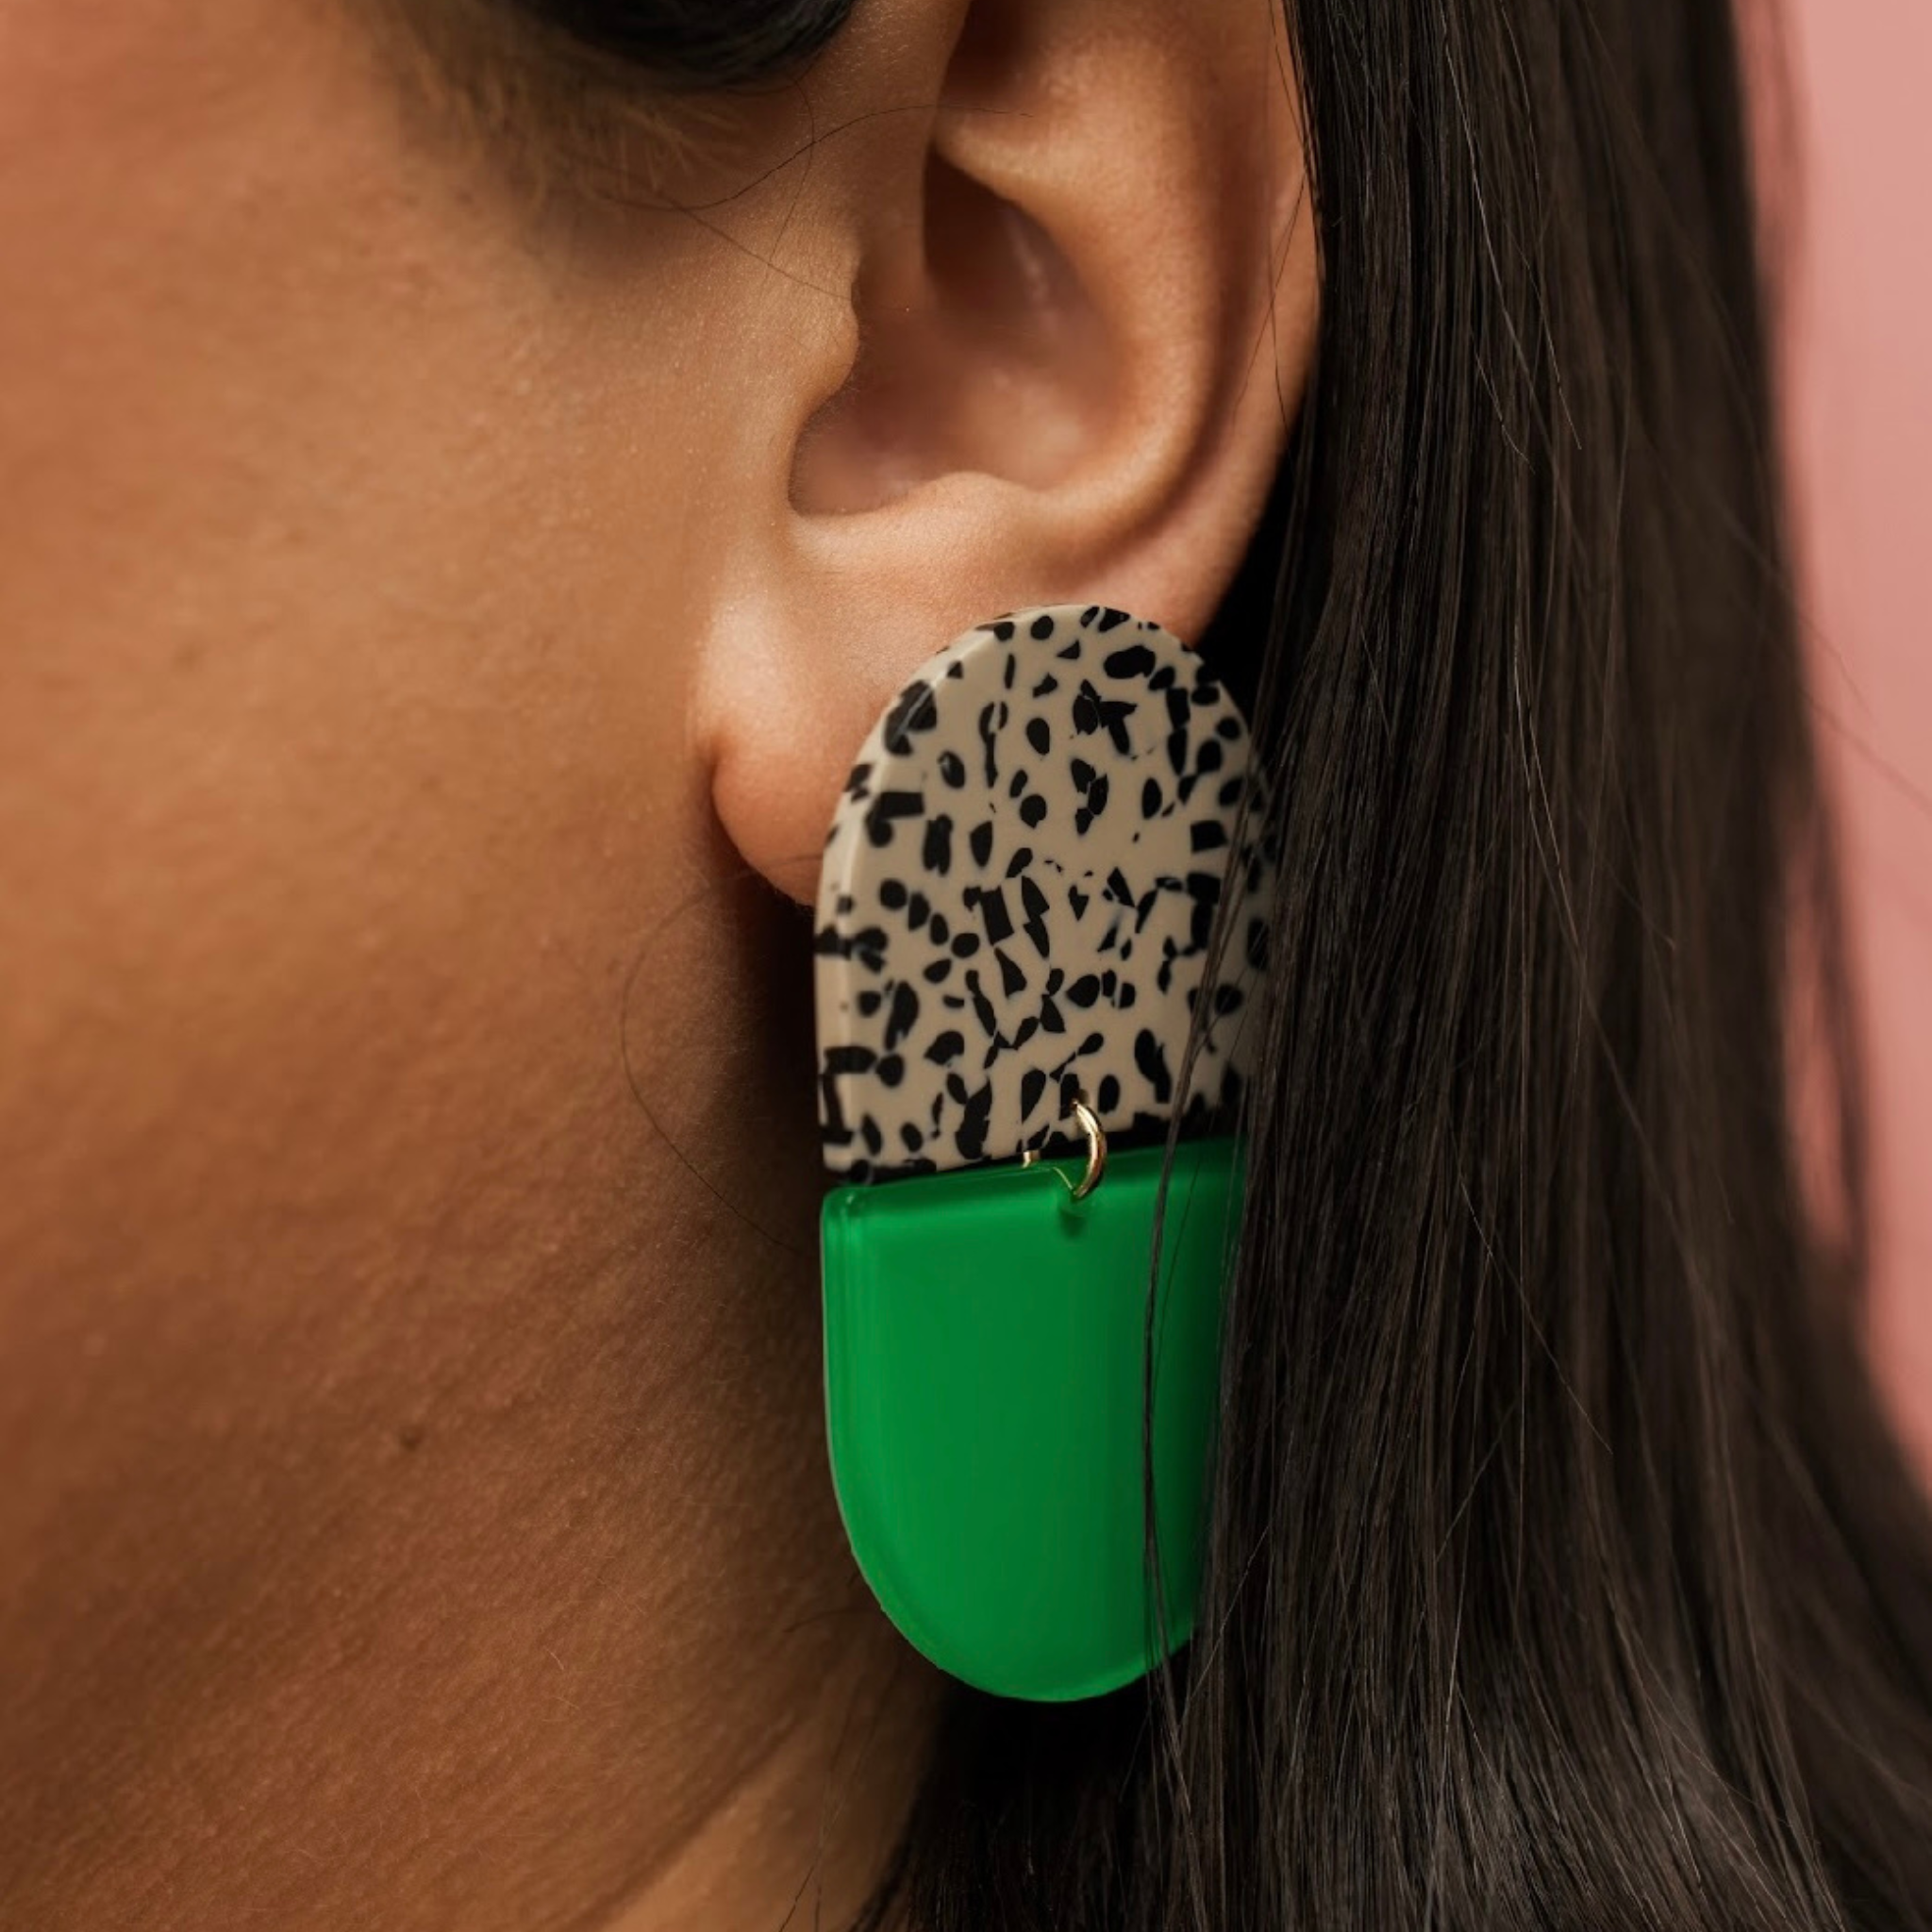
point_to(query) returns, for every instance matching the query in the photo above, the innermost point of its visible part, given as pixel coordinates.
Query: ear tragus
(984, 356)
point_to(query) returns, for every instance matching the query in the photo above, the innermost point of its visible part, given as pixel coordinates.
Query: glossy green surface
(985, 1389)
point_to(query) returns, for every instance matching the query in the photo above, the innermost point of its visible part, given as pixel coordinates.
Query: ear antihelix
(1042, 848)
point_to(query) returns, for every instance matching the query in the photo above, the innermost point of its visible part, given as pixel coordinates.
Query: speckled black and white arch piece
(1019, 896)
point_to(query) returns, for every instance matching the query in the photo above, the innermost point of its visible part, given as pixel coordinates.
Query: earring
(1016, 966)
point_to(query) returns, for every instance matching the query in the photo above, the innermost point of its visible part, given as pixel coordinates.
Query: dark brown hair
(1563, 1572)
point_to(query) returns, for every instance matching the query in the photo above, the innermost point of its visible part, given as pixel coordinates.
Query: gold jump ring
(1096, 1153)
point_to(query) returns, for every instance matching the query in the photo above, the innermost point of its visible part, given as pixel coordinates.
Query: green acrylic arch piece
(985, 1349)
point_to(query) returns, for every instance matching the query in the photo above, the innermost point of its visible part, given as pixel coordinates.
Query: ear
(1080, 290)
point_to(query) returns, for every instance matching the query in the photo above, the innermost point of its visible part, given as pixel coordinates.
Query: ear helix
(1027, 879)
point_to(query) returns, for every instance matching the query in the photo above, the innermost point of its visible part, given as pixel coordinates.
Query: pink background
(1863, 424)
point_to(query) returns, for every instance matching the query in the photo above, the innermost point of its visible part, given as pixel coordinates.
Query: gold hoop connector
(1096, 1153)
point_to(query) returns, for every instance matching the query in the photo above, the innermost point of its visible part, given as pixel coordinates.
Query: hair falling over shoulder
(1563, 1573)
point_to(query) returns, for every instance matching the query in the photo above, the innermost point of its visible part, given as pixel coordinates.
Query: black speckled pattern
(1018, 894)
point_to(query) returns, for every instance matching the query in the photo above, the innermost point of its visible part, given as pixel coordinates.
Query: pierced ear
(1084, 300)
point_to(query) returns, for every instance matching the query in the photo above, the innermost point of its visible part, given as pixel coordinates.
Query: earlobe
(1082, 298)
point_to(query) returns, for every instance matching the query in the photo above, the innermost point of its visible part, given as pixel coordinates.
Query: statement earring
(1015, 949)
